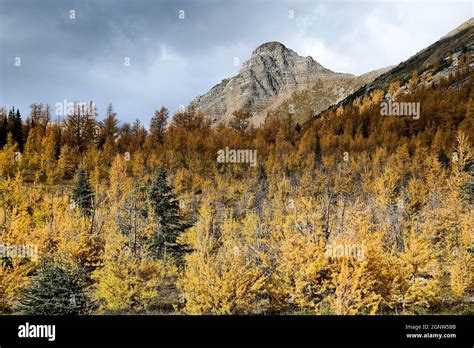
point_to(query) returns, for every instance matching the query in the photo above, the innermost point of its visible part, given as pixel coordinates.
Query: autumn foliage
(349, 213)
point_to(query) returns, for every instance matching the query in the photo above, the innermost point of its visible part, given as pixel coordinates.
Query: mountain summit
(270, 76)
(275, 55)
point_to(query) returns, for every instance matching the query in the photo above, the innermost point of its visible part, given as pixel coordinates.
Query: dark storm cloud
(173, 60)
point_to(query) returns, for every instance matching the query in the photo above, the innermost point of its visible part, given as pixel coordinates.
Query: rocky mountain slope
(271, 76)
(437, 62)
(324, 92)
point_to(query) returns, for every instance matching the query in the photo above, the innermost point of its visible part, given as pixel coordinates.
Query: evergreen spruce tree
(56, 289)
(11, 120)
(365, 127)
(3, 130)
(82, 193)
(443, 158)
(15, 127)
(165, 211)
(18, 130)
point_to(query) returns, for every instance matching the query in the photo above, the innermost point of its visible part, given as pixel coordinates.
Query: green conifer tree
(18, 130)
(82, 194)
(57, 289)
(165, 211)
(3, 130)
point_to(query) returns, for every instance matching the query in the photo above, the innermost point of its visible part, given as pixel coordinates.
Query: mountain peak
(269, 46)
(271, 75)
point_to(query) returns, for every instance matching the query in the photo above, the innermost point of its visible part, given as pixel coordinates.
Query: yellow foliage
(128, 279)
(8, 164)
(354, 293)
(303, 273)
(222, 276)
(77, 237)
(418, 277)
(462, 275)
(13, 278)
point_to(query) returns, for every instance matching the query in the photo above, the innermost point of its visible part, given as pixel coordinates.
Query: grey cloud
(173, 60)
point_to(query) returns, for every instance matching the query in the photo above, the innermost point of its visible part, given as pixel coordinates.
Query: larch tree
(80, 127)
(222, 275)
(108, 131)
(128, 279)
(13, 279)
(417, 280)
(158, 124)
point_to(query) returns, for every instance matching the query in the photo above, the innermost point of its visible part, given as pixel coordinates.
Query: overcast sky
(172, 60)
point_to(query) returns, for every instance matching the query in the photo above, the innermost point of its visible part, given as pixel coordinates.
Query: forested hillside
(349, 213)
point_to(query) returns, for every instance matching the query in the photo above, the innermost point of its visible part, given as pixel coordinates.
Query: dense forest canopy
(349, 213)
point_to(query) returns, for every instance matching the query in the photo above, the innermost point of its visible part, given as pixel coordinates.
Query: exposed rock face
(268, 78)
